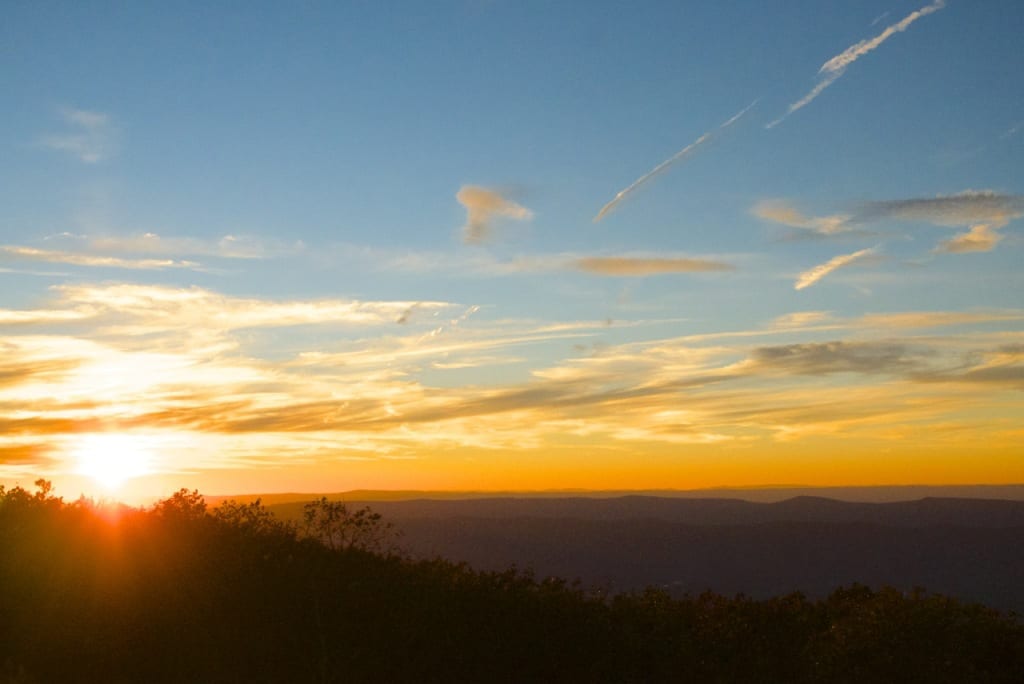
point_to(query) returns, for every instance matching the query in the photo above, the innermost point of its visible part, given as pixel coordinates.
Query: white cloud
(58, 257)
(91, 136)
(835, 67)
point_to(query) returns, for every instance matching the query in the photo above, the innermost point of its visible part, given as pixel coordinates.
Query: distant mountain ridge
(993, 513)
(968, 548)
(765, 494)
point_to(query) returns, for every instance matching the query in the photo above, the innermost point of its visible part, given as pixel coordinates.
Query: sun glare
(111, 459)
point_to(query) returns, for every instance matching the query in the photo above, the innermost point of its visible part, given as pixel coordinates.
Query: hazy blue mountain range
(968, 548)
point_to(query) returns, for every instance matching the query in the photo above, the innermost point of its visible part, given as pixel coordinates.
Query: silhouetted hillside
(182, 592)
(968, 548)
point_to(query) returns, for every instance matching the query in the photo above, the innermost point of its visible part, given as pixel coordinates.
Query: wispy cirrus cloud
(687, 151)
(634, 266)
(483, 207)
(226, 247)
(21, 253)
(91, 136)
(836, 66)
(159, 308)
(810, 277)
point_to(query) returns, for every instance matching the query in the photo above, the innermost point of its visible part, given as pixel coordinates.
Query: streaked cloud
(91, 136)
(91, 260)
(687, 151)
(836, 357)
(984, 211)
(25, 455)
(800, 319)
(227, 247)
(810, 277)
(781, 211)
(627, 266)
(35, 317)
(483, 207)
(835, 67)
(962, 209)
(165, 307)
(936, 319)
(381, 390)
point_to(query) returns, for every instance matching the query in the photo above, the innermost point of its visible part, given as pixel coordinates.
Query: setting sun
(111, 459)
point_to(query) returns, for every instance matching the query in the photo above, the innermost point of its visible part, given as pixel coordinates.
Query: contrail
(663, 166)
(836, 66)
(808, 278)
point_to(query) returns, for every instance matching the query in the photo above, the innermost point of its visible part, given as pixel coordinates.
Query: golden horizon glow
(807, 398)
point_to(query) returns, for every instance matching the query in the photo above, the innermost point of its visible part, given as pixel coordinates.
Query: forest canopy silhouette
(186, 592)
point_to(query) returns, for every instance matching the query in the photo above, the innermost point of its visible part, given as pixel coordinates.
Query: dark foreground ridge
(185, 593)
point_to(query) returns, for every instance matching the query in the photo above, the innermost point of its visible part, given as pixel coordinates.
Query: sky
(496, 245)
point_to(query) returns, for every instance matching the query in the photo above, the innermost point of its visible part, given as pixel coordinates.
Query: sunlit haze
(493, 245)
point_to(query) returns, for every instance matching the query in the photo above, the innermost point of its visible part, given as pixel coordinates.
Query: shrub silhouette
(182, 592)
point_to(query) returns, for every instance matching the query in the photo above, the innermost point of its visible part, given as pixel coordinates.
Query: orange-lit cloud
(980, 238)
(780, 211)
(483, 207)
(808, 278)
(212, 401)
(630, 266)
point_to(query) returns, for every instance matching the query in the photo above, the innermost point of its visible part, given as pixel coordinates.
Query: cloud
(20, 367)
(58, 257)
(25, 455)
(935, 319)
(980, 238)
(15, 317)
(665, 165)
(962, 209)
(483, 206)
(227, 247)
(159, 307)
(385, 392)
(801, 319)
(835, 67)
(835, 357)
(92, 138)
(1001, 366)
(808, 278)
(628, 266)
(984, 210)
(780, 211)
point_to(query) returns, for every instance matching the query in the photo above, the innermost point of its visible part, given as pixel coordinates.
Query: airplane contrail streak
(663, 166)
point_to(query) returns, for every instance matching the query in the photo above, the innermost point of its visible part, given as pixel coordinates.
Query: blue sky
(269, 153)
